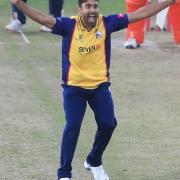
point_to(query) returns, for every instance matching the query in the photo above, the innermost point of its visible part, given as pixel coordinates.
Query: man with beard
(86, 47)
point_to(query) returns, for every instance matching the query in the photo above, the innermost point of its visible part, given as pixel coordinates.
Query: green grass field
(145, 87)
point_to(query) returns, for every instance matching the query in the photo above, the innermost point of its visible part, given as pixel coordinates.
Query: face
(89, 12)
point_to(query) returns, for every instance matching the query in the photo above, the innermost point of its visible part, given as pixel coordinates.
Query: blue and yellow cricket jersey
(86, 54)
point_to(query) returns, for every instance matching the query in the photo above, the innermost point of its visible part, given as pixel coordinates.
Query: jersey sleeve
(116, 22)
(62, 26)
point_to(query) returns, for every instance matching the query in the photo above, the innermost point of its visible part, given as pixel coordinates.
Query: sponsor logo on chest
(89, 49)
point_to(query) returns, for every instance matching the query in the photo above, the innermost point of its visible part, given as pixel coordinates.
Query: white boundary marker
(24, 37)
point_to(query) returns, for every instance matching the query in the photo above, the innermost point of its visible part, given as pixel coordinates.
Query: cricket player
(135, 31)
(86, 53)
(19, 19)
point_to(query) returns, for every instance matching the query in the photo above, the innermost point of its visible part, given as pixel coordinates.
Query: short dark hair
(83, 1)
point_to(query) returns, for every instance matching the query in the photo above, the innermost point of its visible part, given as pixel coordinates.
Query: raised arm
(35, 14)
(149, 10)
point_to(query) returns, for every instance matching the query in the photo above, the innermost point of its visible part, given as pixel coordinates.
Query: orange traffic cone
(174, 14)
(135, 30)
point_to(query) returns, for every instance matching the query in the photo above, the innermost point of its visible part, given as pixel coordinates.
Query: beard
(91, 20)
(92, 24)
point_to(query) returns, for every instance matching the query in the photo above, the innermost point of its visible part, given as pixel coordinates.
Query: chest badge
(80, 37)
(98, 34)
